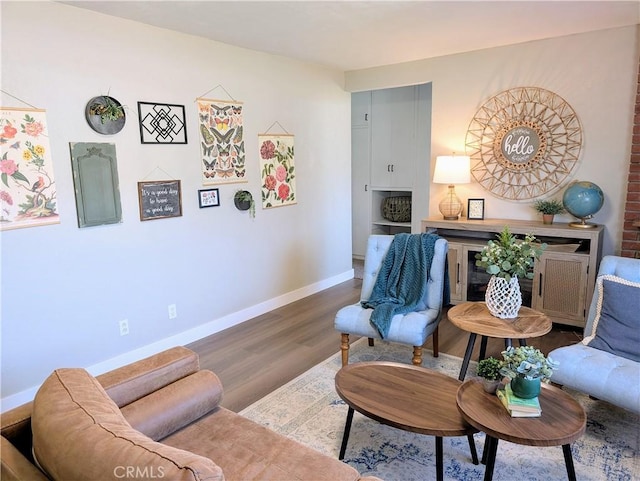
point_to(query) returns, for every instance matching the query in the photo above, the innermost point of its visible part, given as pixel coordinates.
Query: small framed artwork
(208, 198)
(475, 209)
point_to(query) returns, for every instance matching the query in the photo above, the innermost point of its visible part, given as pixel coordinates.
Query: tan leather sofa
(158, 418)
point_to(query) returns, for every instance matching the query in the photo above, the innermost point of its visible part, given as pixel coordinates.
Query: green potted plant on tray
(548, 208)
(489, 370)
(527, 367)
(506, 259)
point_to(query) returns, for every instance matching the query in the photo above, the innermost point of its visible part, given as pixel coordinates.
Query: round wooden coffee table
(563, 421)
(475, 318)
(406, 397)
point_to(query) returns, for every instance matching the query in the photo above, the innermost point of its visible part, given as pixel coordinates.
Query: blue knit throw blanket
(402, 280)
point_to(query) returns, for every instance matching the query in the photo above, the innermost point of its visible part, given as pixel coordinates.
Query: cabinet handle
(366, 187)
(388, 167)
(391, 167)
(458, 273)
(540, 286)
(366, 117)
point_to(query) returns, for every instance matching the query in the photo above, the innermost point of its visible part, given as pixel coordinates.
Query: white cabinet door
(361, 109)
(393, 135)
(360, 192)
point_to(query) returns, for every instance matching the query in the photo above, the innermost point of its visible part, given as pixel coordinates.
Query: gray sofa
(606, 363)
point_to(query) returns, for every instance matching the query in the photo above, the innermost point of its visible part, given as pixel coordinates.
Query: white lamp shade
(452, 169)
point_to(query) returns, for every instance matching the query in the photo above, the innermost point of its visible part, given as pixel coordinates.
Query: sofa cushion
(248, 451)
(79, 433)
(616, 324)
(174, 406)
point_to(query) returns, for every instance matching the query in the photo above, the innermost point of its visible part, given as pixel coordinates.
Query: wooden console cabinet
(564, 277)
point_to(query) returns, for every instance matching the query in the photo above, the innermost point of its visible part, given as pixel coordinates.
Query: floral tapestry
(28, 196)
(277, 170)
(221, 141)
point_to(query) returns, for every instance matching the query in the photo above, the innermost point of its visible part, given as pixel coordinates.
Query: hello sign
(520, 144)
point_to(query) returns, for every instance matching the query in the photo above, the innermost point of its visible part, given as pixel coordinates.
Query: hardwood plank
(256, 357)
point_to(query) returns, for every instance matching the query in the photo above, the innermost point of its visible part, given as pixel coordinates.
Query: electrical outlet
(124, 327)
(173, 311)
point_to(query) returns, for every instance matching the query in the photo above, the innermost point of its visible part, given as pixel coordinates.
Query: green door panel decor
(277, 170)
(95, 179)
(524, 143)
(221, 141)
(28, 195)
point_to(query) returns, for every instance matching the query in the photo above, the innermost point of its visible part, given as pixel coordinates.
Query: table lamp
(451, 169)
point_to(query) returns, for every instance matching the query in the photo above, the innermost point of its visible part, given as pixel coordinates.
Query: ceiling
(351, 35)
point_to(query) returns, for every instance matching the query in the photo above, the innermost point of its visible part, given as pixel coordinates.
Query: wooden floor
(260, 355)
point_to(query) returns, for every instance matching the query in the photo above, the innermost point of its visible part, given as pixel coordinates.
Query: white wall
(65, 289)
(596, 73)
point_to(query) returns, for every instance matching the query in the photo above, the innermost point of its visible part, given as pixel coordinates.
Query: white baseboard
(191, 335)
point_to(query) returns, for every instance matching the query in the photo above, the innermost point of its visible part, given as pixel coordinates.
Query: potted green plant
(489, 370)
(527, 367)
(506, 259)
(243, 200)
(548, 208)
(105, 115)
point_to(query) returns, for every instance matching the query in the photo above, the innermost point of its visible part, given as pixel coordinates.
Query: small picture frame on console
(475, 209)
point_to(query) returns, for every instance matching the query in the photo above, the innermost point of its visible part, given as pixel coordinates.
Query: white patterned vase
(503, 298)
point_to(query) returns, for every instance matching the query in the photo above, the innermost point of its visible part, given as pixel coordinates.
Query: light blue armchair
(610, 371)
(412, 328)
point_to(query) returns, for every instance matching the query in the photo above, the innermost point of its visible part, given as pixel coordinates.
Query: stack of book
(518, 407)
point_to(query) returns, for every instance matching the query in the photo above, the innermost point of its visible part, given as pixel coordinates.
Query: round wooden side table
(475, 318)
(563, 421)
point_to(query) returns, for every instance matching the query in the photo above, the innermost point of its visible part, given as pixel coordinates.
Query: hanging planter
(243, 200)
(503, 297)
(105, 115)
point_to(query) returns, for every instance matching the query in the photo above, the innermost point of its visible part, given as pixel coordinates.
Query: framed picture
(160, 199)
(475, 209)
(208, 198)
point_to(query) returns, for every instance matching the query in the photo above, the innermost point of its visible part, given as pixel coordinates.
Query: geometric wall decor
(277, 170)
(221, 141)
(524, 142)
(162, 123)
(28, 196)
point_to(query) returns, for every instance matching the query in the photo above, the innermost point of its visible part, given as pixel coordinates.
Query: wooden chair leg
(344, 347)
(417, 356)
(435, 343)
(370, 341)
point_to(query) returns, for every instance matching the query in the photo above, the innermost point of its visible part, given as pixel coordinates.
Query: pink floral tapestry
(28, 196)
(277, 170)
(221, 141)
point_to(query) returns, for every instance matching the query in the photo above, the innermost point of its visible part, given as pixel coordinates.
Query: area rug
(308, 410)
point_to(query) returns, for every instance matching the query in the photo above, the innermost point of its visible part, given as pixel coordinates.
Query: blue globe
(583, 199)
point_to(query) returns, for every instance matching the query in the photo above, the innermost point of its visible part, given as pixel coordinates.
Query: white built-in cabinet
(390, 156)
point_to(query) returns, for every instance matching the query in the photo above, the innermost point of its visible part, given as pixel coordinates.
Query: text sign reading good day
(159, 199)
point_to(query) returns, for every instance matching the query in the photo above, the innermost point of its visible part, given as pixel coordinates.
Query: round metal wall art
(523, 143)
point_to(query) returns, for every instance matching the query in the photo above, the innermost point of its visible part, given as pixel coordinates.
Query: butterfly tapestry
(222, 155)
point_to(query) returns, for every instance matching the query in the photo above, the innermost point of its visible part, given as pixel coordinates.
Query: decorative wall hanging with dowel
(277, 168)
(221, 140)
(524, 142)
(28, 193)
